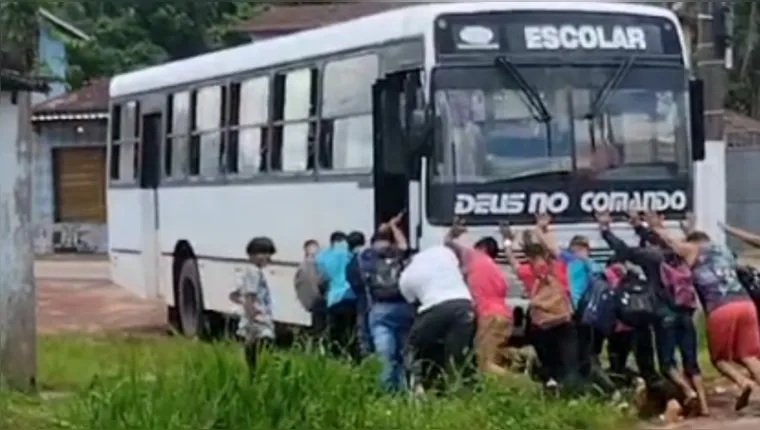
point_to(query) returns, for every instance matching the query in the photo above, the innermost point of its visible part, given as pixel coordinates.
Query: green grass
(168, 383)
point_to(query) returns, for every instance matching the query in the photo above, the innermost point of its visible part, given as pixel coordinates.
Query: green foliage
(171, 383)
(19, 33)
(744, 80)
(131, 34)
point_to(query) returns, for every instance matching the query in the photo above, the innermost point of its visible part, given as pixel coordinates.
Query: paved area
(77, 296)
(72, 270)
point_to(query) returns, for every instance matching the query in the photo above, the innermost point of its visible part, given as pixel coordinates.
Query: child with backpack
(678, 332)
(642, 305)
(390, 316)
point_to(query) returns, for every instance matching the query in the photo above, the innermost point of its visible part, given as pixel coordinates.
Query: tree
(19, 33)
(132, 34)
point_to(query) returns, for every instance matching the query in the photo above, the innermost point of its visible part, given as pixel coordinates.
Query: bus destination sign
(521, 201)
(526, 32)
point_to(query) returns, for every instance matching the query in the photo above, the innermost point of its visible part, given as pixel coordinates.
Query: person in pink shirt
(489, 290)
(556, 346)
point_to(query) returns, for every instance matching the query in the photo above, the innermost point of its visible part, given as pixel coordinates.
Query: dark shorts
(678, 334)
(441, 339)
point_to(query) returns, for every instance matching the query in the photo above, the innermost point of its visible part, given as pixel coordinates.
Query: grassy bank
(150, 383)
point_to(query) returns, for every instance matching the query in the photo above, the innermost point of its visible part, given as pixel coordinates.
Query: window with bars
(125, 142)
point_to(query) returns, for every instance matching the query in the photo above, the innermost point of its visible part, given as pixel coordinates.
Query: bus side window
(249, 114)
(125, 149)
(176, 152)
(293, 115)
(205, 145)
(115, 135)
(346, 114)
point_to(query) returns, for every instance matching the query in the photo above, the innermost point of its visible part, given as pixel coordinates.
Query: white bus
(486, 110)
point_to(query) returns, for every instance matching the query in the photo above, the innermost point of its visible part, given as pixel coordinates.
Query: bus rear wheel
(190, 301)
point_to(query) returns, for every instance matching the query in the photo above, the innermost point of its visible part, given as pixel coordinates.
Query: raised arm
(688, 251)
(643, 232)
(508, 237)
(398, 236)
(546, 237)
(743, 235)
(633, 254)
(457, 229)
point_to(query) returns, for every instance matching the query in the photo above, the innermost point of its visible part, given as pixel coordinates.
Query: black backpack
(382, 278)
(637, 302)
(750, 280)
(597, 306)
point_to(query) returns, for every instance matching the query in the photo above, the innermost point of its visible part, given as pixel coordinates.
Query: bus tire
(190, 304)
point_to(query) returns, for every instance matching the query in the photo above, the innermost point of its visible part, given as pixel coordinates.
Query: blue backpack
(598, 305)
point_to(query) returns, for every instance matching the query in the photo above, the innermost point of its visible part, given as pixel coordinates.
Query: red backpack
(679, 283)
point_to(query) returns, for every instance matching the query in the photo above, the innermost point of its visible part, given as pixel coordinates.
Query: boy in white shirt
(444, 328)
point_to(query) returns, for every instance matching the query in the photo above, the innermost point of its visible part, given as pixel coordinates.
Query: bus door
(150, 155)
(396, 172)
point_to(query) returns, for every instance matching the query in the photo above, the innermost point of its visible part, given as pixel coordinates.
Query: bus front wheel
(190, 303)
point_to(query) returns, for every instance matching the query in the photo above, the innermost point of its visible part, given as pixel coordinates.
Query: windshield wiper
(604, 94)
(541, 113)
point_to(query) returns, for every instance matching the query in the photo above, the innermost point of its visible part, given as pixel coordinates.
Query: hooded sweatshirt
(332, 262)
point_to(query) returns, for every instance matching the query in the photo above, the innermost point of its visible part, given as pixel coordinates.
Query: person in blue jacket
(340, 299)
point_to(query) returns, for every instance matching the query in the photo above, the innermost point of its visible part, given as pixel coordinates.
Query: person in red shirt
(556, 346)
(538, 258)
(489, 290)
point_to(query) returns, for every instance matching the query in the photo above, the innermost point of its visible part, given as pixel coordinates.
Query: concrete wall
(50, 236)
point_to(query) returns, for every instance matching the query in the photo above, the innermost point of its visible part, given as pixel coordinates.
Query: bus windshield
(489, 131)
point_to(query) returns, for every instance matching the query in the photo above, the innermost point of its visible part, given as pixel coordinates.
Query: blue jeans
(679, 333)
(389, 325)
(363, 334)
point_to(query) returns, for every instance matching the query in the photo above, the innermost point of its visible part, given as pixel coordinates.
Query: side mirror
(697, 114)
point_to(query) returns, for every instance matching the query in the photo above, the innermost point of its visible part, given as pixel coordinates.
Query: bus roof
(396, 24)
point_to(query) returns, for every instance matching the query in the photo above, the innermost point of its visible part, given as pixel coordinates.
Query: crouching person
(442, 333)
(489, 290)
(390, 316)
(256, 326)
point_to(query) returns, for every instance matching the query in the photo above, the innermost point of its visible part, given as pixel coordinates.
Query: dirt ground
(78, 297)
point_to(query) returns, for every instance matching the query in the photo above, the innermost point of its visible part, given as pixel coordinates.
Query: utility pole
(18, 331)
